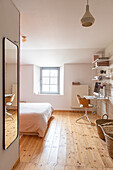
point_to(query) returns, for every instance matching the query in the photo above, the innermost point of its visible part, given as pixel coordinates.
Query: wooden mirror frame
(4, 39)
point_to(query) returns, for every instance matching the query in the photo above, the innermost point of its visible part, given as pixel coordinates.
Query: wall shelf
(100, 67)
(101, 60)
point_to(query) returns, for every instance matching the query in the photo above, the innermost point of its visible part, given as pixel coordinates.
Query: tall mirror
(10, 92)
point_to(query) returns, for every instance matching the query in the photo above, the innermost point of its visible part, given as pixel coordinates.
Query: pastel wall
(72, 72)
(9, 27)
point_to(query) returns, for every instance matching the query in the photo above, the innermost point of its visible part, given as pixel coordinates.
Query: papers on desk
(90, 97)
(96, 97)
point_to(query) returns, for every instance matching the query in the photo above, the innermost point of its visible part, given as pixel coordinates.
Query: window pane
(53, 80)
(45, 88)
(49, 80)
(54, 73)
(45, 80)
(45, 73)
(53, 88)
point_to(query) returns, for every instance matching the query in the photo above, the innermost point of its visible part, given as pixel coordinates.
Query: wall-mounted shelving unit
(100, 63)
(101, 60)
(100, 73)
(100, 67)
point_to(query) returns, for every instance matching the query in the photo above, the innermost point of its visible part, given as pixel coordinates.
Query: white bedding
(34, 117)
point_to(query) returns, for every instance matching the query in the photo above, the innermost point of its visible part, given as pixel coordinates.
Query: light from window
(49, 82)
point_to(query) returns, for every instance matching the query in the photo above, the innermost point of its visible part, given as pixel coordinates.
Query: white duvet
(34, 117)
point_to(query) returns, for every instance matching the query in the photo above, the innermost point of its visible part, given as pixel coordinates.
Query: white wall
(9, 27)
(26, 82)
(104, 107)
(11, 77)
(11, 81)
(72, 72)
(36, 79)
(109, 49)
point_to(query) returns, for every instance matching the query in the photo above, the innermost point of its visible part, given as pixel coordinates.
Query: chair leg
(93, 110)
(81, 118)
(10, 115)
(85, 115)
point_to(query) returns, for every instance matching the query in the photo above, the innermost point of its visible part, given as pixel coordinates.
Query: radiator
(82, 90)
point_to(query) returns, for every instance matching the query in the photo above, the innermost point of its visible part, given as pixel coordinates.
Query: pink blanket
(34, 117)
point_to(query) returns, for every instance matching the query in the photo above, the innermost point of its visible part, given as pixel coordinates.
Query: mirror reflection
(10, 92)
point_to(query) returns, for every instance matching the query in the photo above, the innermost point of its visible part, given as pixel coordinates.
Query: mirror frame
(4, 92)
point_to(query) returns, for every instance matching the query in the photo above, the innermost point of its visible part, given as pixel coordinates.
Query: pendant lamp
(87, 20)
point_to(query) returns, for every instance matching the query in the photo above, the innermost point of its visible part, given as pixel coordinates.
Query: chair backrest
(12, 98)
(82, 101)
(79, 99)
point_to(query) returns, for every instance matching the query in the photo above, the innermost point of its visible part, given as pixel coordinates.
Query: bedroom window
(49, 80)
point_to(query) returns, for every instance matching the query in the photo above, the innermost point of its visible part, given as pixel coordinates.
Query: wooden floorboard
(67, 145)
(10, 127)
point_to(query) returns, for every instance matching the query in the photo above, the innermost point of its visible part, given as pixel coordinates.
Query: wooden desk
(96, 98)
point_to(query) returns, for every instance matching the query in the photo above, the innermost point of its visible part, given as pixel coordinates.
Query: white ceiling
(55, 24)
(44, 58)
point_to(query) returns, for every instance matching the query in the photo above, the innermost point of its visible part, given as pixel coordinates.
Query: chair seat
(8, 104)
(84, 103)
(89, 106)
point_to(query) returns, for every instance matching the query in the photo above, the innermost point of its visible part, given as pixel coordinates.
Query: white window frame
(58, 80)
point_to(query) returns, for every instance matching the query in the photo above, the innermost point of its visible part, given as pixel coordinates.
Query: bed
(34, 118)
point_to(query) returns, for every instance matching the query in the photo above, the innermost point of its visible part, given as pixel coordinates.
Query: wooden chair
(84, 103)
(8, 102)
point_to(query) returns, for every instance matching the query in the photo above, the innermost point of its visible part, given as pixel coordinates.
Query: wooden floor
(67, 145)
(10, 127)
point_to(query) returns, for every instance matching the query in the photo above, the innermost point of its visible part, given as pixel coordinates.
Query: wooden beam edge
(16, 163)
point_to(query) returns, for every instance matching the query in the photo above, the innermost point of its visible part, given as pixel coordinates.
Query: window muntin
(49, 83)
